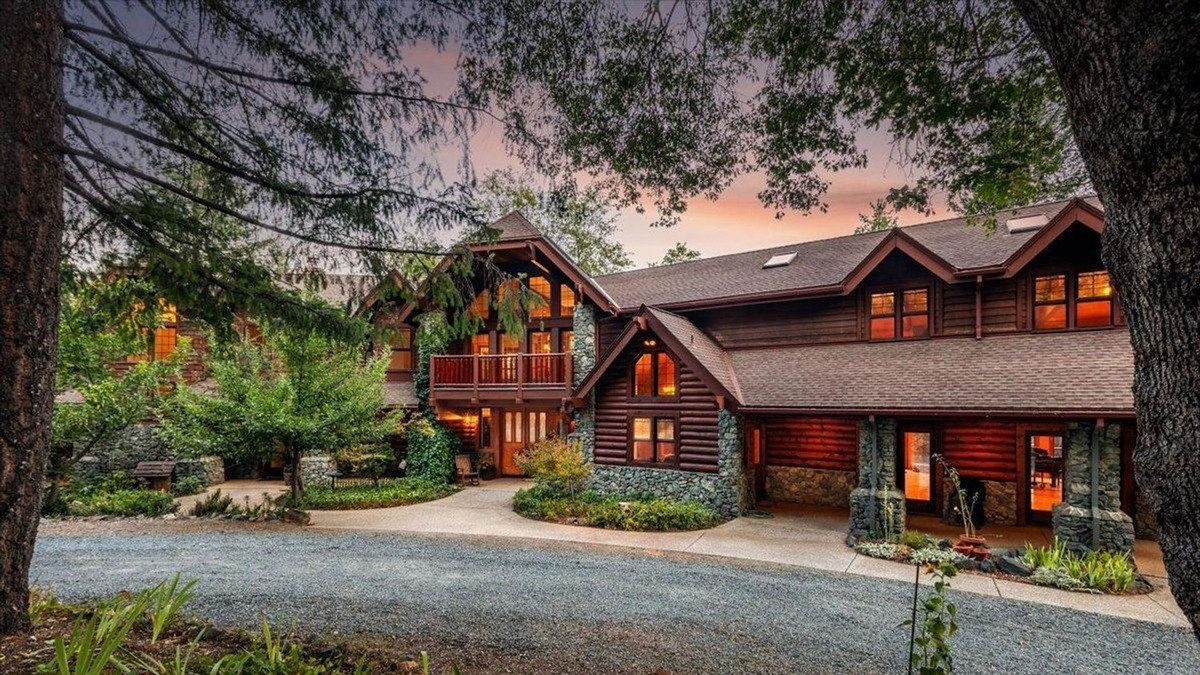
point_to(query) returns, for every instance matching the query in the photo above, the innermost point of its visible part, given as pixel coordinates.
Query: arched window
(655, 374)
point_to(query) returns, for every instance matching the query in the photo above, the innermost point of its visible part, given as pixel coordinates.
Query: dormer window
(654, 373)
(1093, 301)
(541, 287)
(904, 313)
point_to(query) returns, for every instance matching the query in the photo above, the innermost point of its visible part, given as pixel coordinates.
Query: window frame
(654, 351)
(898, 314)
(655, 416)
(546, 311)
(1071, 300)
(410, 349)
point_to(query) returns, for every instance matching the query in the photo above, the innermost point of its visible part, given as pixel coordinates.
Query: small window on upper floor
(540, 307)
(566, 301)
(1093, 300)
(1091, 293)
(1050, 302)
(402, 351)
(899, 313)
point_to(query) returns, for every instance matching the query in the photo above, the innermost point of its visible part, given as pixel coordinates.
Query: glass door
(915, 471)
(1046, 458)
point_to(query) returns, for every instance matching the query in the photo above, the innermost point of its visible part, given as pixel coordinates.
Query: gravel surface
(497, 605)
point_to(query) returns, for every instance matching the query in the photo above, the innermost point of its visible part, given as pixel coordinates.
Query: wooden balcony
(509, 377)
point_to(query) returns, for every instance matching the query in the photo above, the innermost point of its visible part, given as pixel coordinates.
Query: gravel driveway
(516, 606)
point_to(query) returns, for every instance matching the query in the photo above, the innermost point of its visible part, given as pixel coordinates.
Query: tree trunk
(297, 483)
(1131, 77)
(31, 223)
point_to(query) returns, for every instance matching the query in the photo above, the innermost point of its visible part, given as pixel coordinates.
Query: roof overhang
(961, 411)
(1076, 211)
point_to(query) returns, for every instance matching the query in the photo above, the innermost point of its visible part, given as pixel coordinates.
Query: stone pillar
(314, 471)
(1090, 516)
(583, 360)
(876, 500)
(731, 464)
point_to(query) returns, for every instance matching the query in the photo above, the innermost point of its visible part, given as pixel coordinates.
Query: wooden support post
(475, 375)
(979, 307)
(520, 376)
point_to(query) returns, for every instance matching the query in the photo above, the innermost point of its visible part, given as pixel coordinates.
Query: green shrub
(128, 503)
(389, 492)
(556, 465)
(936, 556)
(213, 504)
(915, 540)
(642, 514)
(1052, 556)
(1098, 570)
(1056, 577)
(431, 449)
(187, 485)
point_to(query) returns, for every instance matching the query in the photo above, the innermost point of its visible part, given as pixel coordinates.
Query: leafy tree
(993, 104)
(103, 321)
(677, 254)
(583, 224)
(297, 393)
(879, 219)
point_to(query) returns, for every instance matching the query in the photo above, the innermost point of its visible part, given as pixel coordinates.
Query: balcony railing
(520, 374)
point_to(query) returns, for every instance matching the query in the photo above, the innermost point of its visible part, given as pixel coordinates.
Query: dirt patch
(71, 527)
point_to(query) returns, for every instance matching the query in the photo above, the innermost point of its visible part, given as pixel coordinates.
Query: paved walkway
(808, 537)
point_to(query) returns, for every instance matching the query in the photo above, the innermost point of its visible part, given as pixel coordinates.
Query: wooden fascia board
(994, 413)
(896, 240)
(688, 357)
(1077, 211)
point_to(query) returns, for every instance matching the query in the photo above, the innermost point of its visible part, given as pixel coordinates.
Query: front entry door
(915, 474)
(519, 429)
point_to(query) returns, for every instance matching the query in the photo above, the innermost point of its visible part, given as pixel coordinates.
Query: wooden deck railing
(491, 372)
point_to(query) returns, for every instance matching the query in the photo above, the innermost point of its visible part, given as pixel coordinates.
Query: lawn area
(644, 514)
(389, 492)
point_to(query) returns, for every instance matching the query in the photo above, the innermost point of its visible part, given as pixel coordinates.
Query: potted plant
(487, 465)
(969, 542)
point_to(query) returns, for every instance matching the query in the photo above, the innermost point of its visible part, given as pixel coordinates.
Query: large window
(481, 344)
(1093, 301)
(911, 321)
(653, 440)
(402, 350)
(166, 336)
(566, 300)
(568, 341)
(479, 306)
(541, 287)
(654, 375)
(539, 342)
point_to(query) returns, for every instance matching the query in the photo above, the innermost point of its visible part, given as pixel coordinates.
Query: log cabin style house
(834, 372)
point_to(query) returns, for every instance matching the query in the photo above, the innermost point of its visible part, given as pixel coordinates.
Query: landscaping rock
(296, 516)
(1016, 566)
(987, 566)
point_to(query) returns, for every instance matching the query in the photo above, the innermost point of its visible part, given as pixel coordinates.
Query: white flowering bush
(936, 556)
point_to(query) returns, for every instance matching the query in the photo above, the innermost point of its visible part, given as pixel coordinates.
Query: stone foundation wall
(1000, 502)
(726, 492)
(139, 443)
(314, 471)
(211, 470)
(1080, 526)
(818, 487)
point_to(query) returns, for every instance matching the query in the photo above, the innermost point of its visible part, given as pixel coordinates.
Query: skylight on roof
(1025, 224)
(780, 260)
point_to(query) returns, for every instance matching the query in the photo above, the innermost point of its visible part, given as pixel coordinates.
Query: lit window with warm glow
(917, 459)
(1046, 472)
(1093, 300)
(479, 306)
(653, 440)
(883, 316)
(654, 374)
(539, 342)
(1050, 302)
(568, 341)
(481, 344)
(566, 300)
(914, 319)
(509, 344)
(166, 336)
(540, 307)
(402, 351)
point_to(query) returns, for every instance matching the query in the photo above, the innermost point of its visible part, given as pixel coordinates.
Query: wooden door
(756, 464)
(512, 441)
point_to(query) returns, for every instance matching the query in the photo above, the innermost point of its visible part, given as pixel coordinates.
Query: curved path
(506, 605)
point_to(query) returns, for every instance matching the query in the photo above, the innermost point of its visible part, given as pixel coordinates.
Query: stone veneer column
(1090, 517)
(583, 360)
(876, 495)
(315, 470)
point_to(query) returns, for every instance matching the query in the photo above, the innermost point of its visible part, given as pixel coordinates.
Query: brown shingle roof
(399, 395)
(710, 355)
(818, 263)
(1073, 372)
(513, 226)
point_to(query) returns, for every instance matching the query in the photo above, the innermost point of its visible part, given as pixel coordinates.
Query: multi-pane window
(539, 342)
(1050, 302)
(883, 316)
(479, 306)
(540, 308)
(481, 344)
(509, 344)
(653, 440)
(566, 300)
(402, 350)
(568, 341)
(911, 321)
(654, 375)
(1093, 300)
(166, 336)
(914, 313)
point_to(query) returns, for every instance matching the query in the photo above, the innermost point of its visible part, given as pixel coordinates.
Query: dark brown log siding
(463, 423)
(696, 407)
(833, 319)
(981, 449)
(812, 442)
